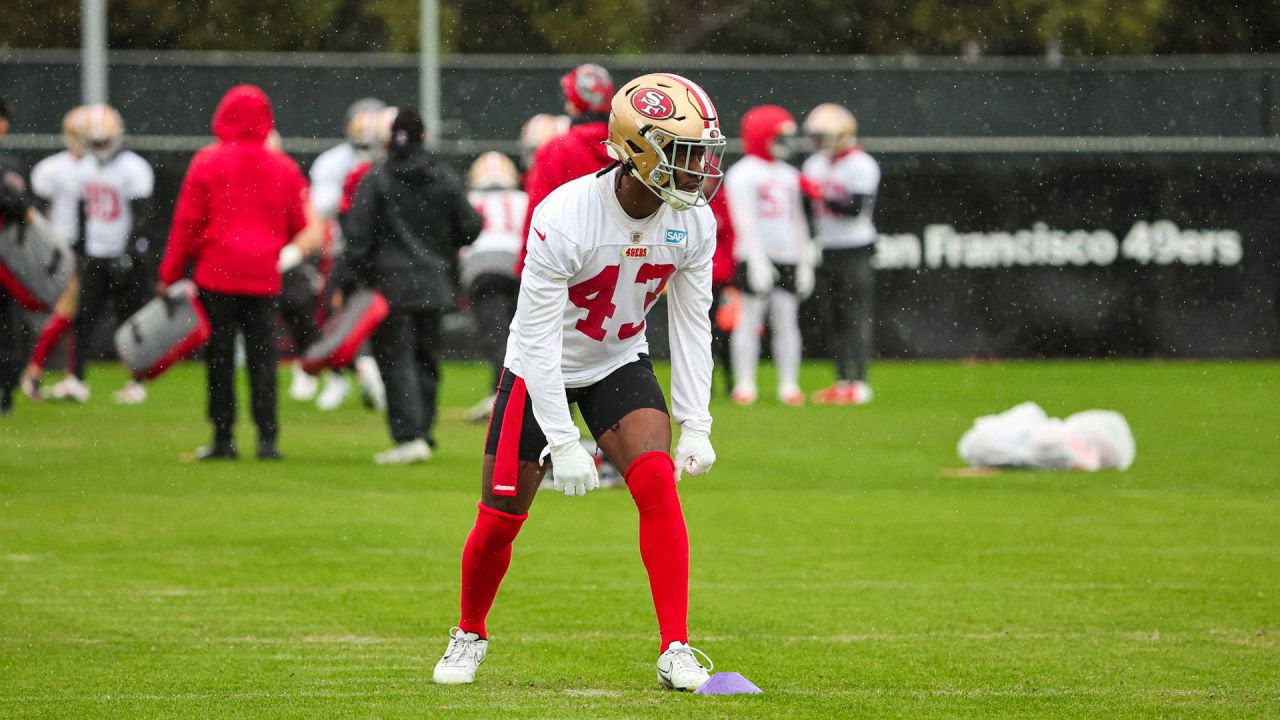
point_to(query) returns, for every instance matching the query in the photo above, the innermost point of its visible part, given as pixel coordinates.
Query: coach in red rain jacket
(240, 204)
(588, 90)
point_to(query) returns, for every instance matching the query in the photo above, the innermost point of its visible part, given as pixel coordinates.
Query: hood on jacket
(243, 114)
(412, 166)
(761, 125)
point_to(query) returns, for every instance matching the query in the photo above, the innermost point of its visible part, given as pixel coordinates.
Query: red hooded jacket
(240, 204)
(568, 157)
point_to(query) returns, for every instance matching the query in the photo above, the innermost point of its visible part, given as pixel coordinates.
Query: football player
(773, 249)
(538, 131)
(601, 250)
(116, 185)
(842, 181)
(56, 181)
(580, 150)
(15, 207)
(486, 264)
(367, 127)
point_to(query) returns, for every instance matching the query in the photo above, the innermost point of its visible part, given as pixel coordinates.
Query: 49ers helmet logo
(653, 104)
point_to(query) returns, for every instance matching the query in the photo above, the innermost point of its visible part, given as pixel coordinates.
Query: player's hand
(694, 454)
(761, 274)
(810, 188)
(804, 280)
(162, 289)
(290, 258)
(336, 300)
(573, 470)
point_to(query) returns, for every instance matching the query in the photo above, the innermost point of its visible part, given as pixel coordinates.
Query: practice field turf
(833, 562)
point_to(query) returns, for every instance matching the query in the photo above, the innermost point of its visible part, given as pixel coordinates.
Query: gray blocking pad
(163, 331)
(34, 258)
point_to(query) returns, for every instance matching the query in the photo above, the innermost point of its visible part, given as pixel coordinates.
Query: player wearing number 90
(601, 249)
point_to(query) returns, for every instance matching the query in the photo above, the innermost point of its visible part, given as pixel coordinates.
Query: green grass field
(833, 563)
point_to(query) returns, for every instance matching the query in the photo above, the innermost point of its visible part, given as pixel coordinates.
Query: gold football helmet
(103, 131)
(662, 124)
(74, 127)
(370, 130)
(540, 130)
(832, 127)
(493, 171)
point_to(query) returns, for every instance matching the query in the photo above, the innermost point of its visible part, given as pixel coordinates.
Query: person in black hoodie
(408, 220)
(15, 204)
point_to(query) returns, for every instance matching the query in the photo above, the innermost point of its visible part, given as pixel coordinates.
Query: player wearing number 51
(601, 249)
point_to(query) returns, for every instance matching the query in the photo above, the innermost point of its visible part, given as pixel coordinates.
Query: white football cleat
(131, 394)
(336, 389)
(481, 411)
(303, 386)
(743, 395)
(679, 669)
(414, 451)
(372, 388)
(70, 388)
(461, 659)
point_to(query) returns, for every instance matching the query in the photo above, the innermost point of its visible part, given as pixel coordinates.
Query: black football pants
(851, 285)
(102, 279)
(254, 317)
(11, 343)
(493, 300)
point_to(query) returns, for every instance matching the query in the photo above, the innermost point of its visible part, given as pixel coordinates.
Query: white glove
(693, 453)
(573, 470)
(804, 280)
(290, 258)
(761, 274)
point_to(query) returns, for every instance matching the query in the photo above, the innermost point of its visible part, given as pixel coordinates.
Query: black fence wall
(1105, 208)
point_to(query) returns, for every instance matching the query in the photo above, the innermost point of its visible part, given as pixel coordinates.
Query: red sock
(664, 542)
(485, 559)
(49, 335)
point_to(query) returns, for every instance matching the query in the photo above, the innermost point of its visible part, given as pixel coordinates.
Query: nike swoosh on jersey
(541, 235)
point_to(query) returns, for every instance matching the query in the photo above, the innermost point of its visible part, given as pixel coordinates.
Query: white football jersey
(503, 212)
(852, 173)
(764, 205)
(57, 180)
(107, 190)
(591, 275)
(328, 173)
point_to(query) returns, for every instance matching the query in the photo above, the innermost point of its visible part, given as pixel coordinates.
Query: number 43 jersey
(591, 275)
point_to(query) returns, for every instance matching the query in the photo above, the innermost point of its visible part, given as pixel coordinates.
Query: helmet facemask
(699, 157)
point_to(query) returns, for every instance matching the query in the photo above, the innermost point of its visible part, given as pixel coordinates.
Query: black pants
(102, 279)
(720, 338)
(298, 306)
(254, 316)
(493, 300)
(404, 346)
(11, 344)
(851, 286)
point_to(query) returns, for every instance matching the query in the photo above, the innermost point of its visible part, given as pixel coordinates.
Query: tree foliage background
(836, 27)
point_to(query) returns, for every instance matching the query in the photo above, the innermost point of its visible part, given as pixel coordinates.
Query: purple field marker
(728, 683)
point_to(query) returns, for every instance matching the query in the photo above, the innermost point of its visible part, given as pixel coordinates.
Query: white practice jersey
(328, 173)
(56, 179)
(503, 212)
(591, 274)
(108, 189)
(764, 205)
(851, 173)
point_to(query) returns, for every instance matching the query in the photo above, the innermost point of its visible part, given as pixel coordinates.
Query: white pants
(744, 343)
